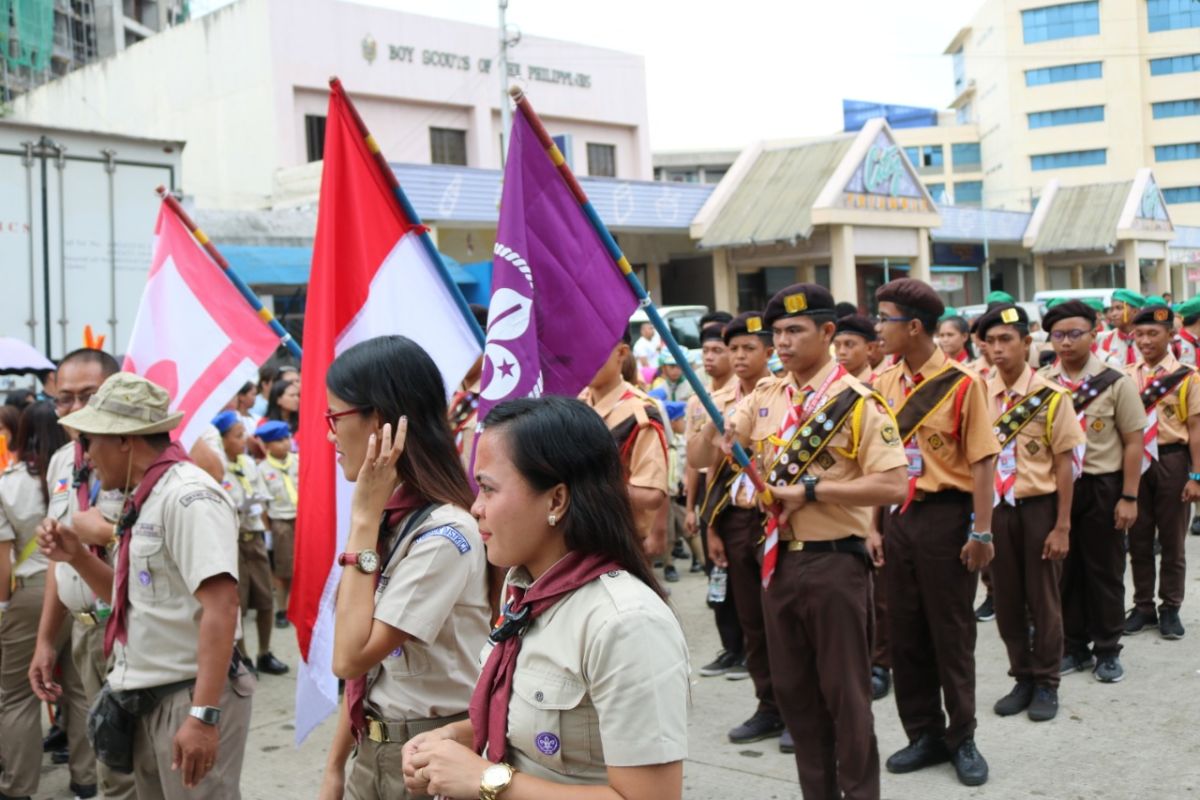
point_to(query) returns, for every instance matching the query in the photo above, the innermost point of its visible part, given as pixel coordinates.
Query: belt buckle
(247, 537)
(794, 545)
(376, 731)
(920, 495)
(86, 618)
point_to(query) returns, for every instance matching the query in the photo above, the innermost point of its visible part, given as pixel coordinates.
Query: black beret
(718, 317)
(1003, 315)
(799, 300)
(857, 324)
(747, 323)
(1068, 309)
(1155, 315)
(712, 332)
(845, 310)
(912, 293)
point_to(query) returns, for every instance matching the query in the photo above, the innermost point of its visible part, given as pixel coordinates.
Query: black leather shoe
(679, 552)
(281, 620)
(1015, 701)
(1138, 620)
(83, 791)
(924, 751)
(786, 743)
(1196, 525)
(1044, 705)
(56, 739)
(762, 725)
(271, 665)
(987, 610)
(970, 764)
(1169, 626)
(724, 661)
(881, 683)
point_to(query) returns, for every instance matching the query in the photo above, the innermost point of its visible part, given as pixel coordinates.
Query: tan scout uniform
(185, 534)
(1159, 506)
(1117, 349)
(1093, 583)
(601, 681)
(245, 487)
(930, 592)
(647, 459)
(1027, 585)
(818, 604)
(281, 479)
(434, 588)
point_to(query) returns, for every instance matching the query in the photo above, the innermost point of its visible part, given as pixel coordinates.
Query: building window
(960, 70)
(448, 146)
(1066, 116)
(968, 193)
(932, 156)
(965, 154)
(714, 174)
(1177, 152)
(1176, 108)
(963, 115)
(1074, 158)
(1090, 70)
(1061, 22)
(913, 154)
(602, 160)
(937, 191)
(1174, 65)
(314, 137)
(1170, 15)
(1182, 194)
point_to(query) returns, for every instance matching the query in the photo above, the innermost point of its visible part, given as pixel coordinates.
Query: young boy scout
(829, 451)
(1116, 347)
(1170, 473)
(174, 593)
(1038, 433)
(852, 340)
(280, 473)
(639, 430)
(939, 536)
(1104, 504)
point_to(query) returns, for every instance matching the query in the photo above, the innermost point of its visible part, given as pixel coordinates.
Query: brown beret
(1068, 309)
(799, 300)
(748, 323)
(1155, 315)
(1003, 315)
(912, 293)
(858, 325)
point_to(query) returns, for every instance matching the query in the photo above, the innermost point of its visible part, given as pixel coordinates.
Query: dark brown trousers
(1093, 580)
(881, 657)
(818, 610)
(1162, 510)
(1027, 589)
(740, 529)
(931, 616)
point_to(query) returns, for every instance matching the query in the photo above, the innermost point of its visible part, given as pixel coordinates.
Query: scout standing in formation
(1038, 433)
(1104, 504)
(830, 452)
(934, 545)
(1170, 481)
(1117, 348)
(280, 473)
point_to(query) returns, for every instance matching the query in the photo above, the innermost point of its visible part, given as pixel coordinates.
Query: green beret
(1130, 298)
(1094, 302)
(999, 297)
(1057, 301)
(1188, 308)
(950, 311)
(1154, 300)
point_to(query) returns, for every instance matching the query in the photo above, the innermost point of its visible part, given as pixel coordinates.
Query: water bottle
(718, 584)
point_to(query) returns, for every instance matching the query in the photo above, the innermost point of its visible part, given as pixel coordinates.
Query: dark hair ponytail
(38, 437)
(553, 440)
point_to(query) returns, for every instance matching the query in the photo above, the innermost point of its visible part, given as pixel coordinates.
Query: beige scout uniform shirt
(647, 460)
(1043, 438)
(435, 590)
(950, 443)
(248, 493)
(1117, 351)
(1172, 414)
(1115, 411)
(275, 479)
(601, 680)
(186, 533)
(875, 448)
(21, 509)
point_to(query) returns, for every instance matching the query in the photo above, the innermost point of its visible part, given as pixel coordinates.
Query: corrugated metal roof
(963, 224)
(1083, 218)
(774, 201)
(462, 194)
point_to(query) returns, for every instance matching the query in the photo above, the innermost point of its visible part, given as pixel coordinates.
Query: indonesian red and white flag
(194, 335)
(372, 275)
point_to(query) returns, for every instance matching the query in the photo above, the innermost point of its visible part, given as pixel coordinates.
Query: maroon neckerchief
(403, 502)
(173, 455)
(489, 702)
(81, 475)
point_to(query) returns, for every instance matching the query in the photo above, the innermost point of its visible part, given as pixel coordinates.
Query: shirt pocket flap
(548, 692)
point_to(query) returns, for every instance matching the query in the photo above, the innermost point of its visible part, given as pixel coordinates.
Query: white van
(683, 321)
(1041, 298)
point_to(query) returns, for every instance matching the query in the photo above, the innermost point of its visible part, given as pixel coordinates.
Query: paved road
(1136, 739)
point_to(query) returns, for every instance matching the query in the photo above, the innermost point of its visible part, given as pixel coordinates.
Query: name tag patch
(450, 534)
(148, 529)
(202, 494)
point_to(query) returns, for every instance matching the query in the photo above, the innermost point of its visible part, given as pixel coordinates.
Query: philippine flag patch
(62, 486)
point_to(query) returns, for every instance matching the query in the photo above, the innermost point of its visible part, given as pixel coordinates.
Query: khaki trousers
(154, 744)
(20, 710)
(375, 767)
(73, 712)
(87, 654)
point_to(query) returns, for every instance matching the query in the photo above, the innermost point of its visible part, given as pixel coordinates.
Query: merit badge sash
(1152, 394)
(1006, 428)
(925, 398)
(1082, 396)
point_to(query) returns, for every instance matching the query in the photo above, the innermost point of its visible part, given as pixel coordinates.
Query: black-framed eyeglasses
(1074, 335)
(885, 318)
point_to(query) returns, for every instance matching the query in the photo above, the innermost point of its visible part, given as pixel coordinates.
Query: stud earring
(553, 520)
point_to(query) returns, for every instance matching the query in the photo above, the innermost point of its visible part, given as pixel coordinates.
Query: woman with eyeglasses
(585, 677)
(24, 497)
(412, 604)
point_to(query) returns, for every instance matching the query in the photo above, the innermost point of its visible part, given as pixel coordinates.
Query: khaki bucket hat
(125, 405)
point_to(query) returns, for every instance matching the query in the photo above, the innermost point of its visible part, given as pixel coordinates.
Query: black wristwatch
(1132, 498)
(810, 487)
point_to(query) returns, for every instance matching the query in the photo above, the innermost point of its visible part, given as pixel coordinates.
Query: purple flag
(559, 303)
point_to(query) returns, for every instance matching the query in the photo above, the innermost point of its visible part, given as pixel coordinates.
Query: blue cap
(273, 431)
(675, 409)
(226, 420)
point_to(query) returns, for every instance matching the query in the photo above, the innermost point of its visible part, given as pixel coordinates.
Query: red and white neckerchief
(1080, 450)
(1122, 359)
(793, 420)
(1150, 437)
(741, 485)
(963, 356)
(1006, 463)
(1187, 347)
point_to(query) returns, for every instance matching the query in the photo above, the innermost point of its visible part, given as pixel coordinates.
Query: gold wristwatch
(496, 779)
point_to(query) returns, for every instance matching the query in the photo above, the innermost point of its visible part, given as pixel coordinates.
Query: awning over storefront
(289, 266)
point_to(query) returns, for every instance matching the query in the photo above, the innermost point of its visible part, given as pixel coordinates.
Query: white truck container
(77, 213)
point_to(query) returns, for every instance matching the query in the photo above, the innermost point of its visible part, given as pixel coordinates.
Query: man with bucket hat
(175, 710)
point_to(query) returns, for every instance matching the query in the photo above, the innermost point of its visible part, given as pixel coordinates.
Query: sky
(723, 75)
